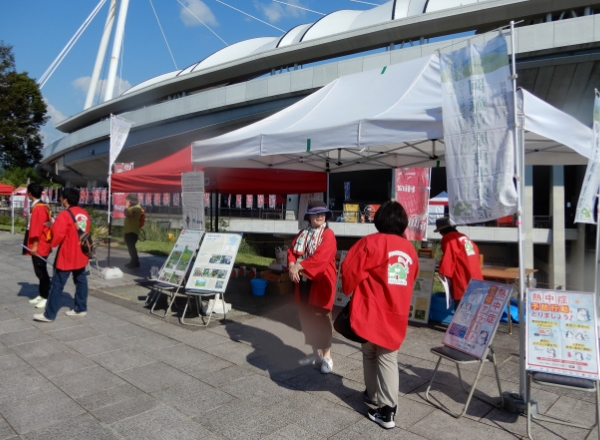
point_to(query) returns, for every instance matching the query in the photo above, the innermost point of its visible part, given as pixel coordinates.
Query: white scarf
(308, 241)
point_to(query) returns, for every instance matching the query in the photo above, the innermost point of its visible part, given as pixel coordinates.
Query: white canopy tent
(380, 119)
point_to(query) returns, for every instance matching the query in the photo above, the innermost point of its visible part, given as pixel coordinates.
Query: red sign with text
(412, 191)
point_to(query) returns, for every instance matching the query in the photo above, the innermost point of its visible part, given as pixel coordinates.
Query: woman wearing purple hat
(311, 265)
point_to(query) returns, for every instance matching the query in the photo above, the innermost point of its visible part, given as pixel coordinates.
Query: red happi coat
(38, 229)
(320, 269)
(64, 234)
(460, 262)
(381, 270)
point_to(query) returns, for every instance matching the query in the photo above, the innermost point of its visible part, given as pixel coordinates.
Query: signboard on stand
(421, 298)
(192, 199)
(562, 336)
(174, 270)
(214, 262)
(340, 298)
(475, 322)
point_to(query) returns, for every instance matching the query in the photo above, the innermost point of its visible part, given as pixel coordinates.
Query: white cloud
(83, 84)
(276, 11)
(200, 10)
(49, 133)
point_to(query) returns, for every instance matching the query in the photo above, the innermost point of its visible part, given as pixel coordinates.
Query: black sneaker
(384, 416)
(368, 400)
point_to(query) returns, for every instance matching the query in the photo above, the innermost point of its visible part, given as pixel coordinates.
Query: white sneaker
(40, 317)
(74, 313)
(310, 360)
(35, 300)
(327, 366)
(41, 304)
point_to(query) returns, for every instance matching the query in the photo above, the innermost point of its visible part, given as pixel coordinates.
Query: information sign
(562, 334)
(176, 266)
(214, 262)
(192, 185)
(421, 298)
(475, 322)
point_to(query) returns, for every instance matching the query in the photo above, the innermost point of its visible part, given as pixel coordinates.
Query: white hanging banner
(591, 181)
(478, 121)
(119, 130)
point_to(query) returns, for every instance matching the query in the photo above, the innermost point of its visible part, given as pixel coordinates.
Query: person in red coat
(311, 265)
(38, 234)
(381, 269)
(460, 260)
(69, 258)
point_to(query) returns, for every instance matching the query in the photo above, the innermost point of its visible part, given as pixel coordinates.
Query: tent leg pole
(217, 214)
(109, 240)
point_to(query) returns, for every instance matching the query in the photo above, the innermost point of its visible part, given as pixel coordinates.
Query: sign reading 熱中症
(562, 335)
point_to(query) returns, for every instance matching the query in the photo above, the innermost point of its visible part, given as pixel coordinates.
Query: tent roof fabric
(390, 117)
(6, 189)
(165, 176)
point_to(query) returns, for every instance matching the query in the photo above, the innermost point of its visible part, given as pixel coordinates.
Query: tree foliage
(22, 113)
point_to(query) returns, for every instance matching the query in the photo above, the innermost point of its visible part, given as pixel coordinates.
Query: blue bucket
(259, 286)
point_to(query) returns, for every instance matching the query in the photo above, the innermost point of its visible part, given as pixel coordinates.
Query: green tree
(22, 113)
(18, 176)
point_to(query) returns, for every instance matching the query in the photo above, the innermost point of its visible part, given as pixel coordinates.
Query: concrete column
(528, 216)
(558, 275)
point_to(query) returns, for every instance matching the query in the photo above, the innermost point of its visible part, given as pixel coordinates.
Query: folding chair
(157, 290)
(570, 383)
(459, 358)
(198, 300)
(94, 257)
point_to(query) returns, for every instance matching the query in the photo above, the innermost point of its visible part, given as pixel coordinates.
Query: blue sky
(39, 29)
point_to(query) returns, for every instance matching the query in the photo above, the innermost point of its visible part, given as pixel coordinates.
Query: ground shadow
(28, 290)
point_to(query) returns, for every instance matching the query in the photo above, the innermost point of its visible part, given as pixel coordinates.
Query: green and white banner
(478, 121)
(591, 182)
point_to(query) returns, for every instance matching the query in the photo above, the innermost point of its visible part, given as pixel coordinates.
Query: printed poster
(238, 201)
(412, 191)
(260, 201)
(176, 199)
(271, 201)
(591, 181)
(156, 197)
(166, 199)
(140, 198)
(475, 322)
(104, 196)
(192, 200)
(174, 270)
(214, 262)
(207, 200)
(562, 335)
(340, 298)
(148, 199)
(478, 116)
(122, 167)
(118, 200)
(249, 201)
(422, 290)
(96, 196)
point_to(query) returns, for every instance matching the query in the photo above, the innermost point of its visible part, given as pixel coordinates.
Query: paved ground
(122, 374)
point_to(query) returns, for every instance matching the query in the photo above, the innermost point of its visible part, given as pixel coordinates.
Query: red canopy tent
(5, 189)
(165, 176)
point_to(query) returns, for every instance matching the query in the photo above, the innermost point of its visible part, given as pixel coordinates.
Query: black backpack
(85, 238)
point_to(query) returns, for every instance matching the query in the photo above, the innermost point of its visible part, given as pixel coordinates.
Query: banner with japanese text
(96, 195)
(166, 199)
(148, 201)
(156, 199)
(591, 181)
(249, 201)
(118, 200)
(176, 199)
(272, 201)
(104, 196)
(478, 116)
(238, 201)
(122, 167)
(412, 192)
(260, 201)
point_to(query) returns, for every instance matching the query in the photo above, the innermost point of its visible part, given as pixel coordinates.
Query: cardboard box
(279, 283)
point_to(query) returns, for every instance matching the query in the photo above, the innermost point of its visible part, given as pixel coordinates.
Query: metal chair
(568, 382)
(198, 300)
(459, 358)
(159, 289)
(94, 257)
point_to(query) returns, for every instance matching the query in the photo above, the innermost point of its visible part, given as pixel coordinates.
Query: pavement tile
(192, 398)
(6, 431)
(328, 386)
(13, 325)
(33, 412)
(58, 363)
(250, 422)
(150, 342)
(574, 410)
(148, 424)
(41, 348)
(294, 432)
(235, 352)
(259, 391)
(345, 347)
(23, 336)
(365, 428)
(4, 350)
(124, 331)
(187, 430)
(77, 428)
(73, 333)
(181, 355)
(122, 359)
(95, 345)
(219, 377)
(6, 315)
(109, 396)
(441, 426)
(23, 381)
(88, 381)
(202, 339)
(127, 408)
(277, 369)
(154, 376)
(317, 415)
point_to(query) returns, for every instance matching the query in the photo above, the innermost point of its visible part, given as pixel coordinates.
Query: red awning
(6, 189)
(165, 176)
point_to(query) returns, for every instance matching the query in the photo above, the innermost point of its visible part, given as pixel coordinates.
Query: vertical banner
(192, 185)
(166, 199)
(561, 333)
(228, 201)
(104, 196)
(156, 199)
(477, 108)
(140, 197)
(346, 190)
(175, 199)
(118, 200)
(249, 201)
(238, 201)
(591, 181)
(271, 201)
(412, 191)
(206, 198)
(82, 196)
(96, 193)
(260, 201)
(148, 201)
(119, 130)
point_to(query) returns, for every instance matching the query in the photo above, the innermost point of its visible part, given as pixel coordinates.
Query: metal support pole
(597, 268)
(108, 26)
(116, 50)
(217, 213)
(12, 212)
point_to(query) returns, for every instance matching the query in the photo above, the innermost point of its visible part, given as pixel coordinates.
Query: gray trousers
(380, 367)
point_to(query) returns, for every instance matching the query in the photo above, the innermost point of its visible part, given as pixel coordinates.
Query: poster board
(192, 185)
(562, 336)
(174, 270)
(214, 263)
(340, 299)
(476, 320)
(421, 297)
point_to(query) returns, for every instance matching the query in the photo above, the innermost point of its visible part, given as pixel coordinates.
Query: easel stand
(459, 358)
(172, 293)
(197, 297)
